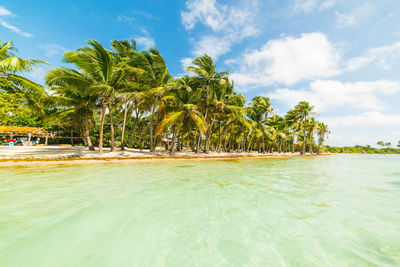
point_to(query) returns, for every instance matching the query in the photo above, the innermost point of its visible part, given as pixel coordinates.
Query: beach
(73, 155)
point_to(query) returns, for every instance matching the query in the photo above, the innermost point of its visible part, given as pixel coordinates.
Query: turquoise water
(341, 210)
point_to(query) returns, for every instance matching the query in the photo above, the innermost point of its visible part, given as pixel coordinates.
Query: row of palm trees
(131, 92)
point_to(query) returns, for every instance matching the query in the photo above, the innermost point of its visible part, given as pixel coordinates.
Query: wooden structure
(24, 131)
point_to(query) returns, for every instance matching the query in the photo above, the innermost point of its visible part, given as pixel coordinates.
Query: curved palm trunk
(175, 135)
(304, 138)
(87, 132)
(293, 144)
(123, 127)
(319, 148)
(152, 147)
(209, 132)
(134, 128)
(103, 117)
(113, 147)
(249, 145)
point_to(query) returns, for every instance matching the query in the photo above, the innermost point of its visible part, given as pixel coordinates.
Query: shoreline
(58, 159)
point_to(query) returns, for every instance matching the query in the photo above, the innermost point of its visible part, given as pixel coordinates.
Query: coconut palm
(322, 133)
(154, 78)
(11, 68)
(303, 111)
(183, 109)
(205, 69)
(101, 66)
(73, 90)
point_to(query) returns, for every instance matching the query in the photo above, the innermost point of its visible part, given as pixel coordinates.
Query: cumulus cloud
(329, 94)
(364, 120)
(363, 128)
(6, 13)
(228, 24)
(52, 49)
(383, 56)
(288, 61)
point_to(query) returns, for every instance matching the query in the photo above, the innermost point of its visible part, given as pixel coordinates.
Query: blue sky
(341, 55)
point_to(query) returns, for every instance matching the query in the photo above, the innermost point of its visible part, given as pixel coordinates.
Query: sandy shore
(56, 155)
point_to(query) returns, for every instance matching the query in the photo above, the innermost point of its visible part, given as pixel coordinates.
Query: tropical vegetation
(125, 98)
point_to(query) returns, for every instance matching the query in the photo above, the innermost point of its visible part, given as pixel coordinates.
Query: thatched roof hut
(22, 131)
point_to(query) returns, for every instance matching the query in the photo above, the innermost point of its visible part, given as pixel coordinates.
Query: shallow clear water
(339, 210)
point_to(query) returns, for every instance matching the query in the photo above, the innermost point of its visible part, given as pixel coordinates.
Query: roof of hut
(15, 130)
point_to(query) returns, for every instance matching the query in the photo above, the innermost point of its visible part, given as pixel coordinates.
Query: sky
(343, 56)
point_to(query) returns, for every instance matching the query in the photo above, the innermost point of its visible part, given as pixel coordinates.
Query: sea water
(340, 210)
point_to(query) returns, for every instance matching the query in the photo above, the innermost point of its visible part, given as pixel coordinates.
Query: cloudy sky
(341, 55)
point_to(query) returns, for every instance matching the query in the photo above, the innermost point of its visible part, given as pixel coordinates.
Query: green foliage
(15, 111)
(361, 150)
(121, 96)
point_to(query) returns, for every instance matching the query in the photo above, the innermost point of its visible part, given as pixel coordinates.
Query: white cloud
(228, 24)
(363, 128)
(344, 20)
(52, 49)
(145, 41)
(6, 13)
(14, 29)
(329, 94)
(288, 60)
(364, 120)
(327, 4)
(123, 18)
(383, 56)
(309, 5)
(212, 45)
(186, 62)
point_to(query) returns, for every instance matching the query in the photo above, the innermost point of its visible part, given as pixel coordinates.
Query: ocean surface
(340, 210)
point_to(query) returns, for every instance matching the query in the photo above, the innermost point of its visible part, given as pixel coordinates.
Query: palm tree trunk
(134, 128)
(304, 138)
(293, 144)
(87, 132)
(152, 147)
(175, 135)
(198, 142)
(123, 127)
(103, 117)
(319, 148)
(113, 147)
(248, 147)
(209, 132)
(207, 129)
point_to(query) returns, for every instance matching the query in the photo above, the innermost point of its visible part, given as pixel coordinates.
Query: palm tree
(380, 143)
(322, 132)
(303, 112)
(183, 110)
(311, 130)
(258, 111)
(74, 90)
(205, 69)
(11, 67)
(154, 78)
(102, 68)
(294, 126)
